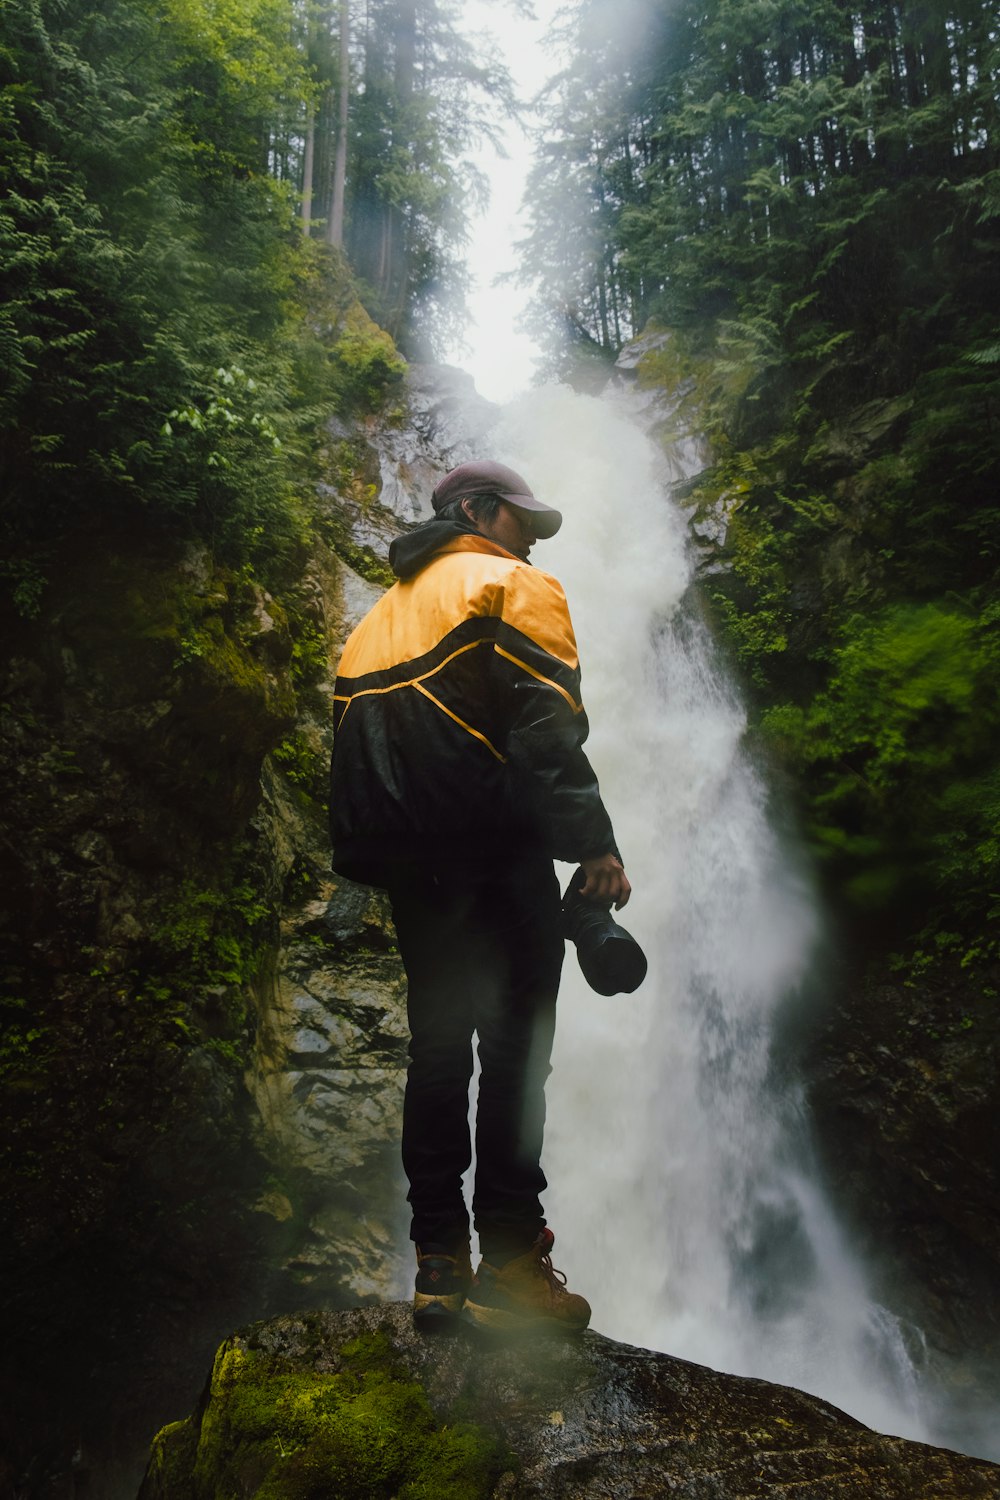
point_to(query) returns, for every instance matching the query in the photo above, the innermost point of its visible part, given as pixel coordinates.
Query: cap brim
(544, 520)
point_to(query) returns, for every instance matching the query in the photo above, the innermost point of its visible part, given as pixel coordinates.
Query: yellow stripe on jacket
(417, 613)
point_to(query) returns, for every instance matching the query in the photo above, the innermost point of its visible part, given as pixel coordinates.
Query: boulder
(357, 1404)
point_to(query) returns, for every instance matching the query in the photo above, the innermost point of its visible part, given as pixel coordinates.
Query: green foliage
(305, 760)
(310, 654)
(365, 358)
(897, 751)
(157, 360)
(231, 411)
(26, 1047)
(214, 934)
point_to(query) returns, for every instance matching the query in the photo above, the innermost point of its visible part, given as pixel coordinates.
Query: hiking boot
(444, 1273)
(525, 1293)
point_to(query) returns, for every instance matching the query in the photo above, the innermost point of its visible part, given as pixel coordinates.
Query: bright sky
(500, 359)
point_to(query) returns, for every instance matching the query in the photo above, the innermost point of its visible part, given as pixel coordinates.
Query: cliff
(203, 1032)
(357, 1404)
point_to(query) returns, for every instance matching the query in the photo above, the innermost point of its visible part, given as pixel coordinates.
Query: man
(458, 775)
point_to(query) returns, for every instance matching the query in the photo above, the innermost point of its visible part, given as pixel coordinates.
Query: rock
(439, 421)
(356, 1403)
(902, 1079)
(866, 429)
(446, 423)
(634, 353)
(329, 1062)
(358, 597)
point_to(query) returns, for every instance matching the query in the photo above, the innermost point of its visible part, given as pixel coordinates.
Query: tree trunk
(307, 172)
(335, 233)
(406, 49)
(397, 277)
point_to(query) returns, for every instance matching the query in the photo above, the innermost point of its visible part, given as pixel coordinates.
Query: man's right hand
(606, 881)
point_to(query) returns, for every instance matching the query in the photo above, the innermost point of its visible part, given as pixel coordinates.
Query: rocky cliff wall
(330, 1047)
(903, 1083)
(137, 712)
(204, 1032)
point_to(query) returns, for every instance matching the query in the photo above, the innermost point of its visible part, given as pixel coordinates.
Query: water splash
(682, 1186)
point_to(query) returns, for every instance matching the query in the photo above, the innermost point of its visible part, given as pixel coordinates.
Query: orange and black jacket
(458, 720)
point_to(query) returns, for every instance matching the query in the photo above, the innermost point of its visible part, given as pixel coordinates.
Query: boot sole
(431, 1313)
(499, 1320)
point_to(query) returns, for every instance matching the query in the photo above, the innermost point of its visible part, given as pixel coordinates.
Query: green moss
(361, 1434)
(214, 933)
(342, 357)
(366, 359)
(171, 1461)
(210, 642)
(369, 1351)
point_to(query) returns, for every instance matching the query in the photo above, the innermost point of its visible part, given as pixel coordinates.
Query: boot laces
(556, 1279)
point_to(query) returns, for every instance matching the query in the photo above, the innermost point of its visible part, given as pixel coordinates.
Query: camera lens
(611, 959)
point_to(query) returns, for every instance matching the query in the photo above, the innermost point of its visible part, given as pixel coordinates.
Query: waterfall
(682, 1191)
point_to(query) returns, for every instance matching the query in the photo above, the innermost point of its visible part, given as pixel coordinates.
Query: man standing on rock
(458, 776)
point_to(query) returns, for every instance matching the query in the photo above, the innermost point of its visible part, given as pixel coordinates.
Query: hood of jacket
(411, 551)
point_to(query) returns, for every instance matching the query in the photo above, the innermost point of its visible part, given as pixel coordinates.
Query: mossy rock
(171, 1461)
(280, 1433)
(357, 1404)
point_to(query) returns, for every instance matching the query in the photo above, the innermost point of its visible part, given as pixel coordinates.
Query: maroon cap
(488, 478)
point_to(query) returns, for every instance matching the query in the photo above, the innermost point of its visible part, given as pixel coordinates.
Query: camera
(611, 959)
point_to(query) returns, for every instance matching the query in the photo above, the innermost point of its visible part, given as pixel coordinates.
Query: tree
(145, 252)
(401, 97)
(424, 99)
(336, 234)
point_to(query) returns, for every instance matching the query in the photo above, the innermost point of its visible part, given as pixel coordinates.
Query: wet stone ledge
(356, 1403)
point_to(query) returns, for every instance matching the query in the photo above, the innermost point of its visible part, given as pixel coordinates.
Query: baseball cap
(488, 478)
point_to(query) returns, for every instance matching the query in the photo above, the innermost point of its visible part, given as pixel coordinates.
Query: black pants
(483, 952)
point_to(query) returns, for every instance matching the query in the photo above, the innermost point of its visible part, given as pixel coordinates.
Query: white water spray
(681, 1185)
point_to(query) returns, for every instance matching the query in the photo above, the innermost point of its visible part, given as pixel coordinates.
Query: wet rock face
(441, 422)
(663, 412)
(328, 1066)
(328, 1081)
(902, 1079)
(330, 1051)
(447, 423)
(554, 1419)
(161, 755)
(918, 1077)
(136, 712)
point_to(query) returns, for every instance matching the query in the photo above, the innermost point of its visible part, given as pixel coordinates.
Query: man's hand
(606, 881)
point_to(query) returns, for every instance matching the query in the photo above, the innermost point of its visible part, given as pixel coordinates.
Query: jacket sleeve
(537, 673)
